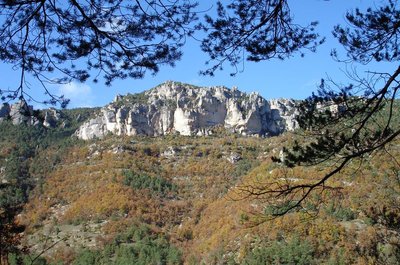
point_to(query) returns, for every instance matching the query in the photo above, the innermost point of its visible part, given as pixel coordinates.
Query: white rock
(234, 158)
(189, 110)
(94, 128)
(21, 112)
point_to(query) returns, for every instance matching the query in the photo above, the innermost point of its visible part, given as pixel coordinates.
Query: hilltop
(174, 107)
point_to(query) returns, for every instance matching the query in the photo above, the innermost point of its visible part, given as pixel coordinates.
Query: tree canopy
(254, 31)
(58, 41)
(115, 38)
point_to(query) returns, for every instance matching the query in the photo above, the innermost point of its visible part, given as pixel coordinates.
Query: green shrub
(157, 185)
(88, 257)
(295, 251)
(139, 245)
(23, 259)
(244, 166)
(341, 213)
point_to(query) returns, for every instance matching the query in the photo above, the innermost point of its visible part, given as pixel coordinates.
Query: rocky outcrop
(174, 107)
(284, 110)
(51, 117)
(22, 113)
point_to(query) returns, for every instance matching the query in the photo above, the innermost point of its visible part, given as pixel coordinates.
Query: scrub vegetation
(183, 200)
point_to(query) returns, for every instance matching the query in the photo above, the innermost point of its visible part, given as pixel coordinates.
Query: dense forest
(185, 200)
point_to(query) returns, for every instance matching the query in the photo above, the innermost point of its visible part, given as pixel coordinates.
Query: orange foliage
(101, 203)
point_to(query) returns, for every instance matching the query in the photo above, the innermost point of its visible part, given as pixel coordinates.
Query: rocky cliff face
(173, 107)
(22, 113)
(19, 112)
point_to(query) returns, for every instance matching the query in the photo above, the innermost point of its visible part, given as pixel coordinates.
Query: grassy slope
(82, 199)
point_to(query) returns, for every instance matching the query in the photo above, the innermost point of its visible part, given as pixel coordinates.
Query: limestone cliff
(174, 107)
(22, 113)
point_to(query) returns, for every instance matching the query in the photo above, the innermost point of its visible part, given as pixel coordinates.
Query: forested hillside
(186, 200)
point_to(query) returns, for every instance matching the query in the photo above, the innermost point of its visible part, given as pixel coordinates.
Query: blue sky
(295, 77)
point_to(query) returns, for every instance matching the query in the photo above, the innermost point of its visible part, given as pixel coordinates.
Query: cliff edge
(173, 107)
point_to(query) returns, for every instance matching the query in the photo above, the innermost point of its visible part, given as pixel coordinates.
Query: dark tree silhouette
(78, 40)
(115, 38)
(254, 30)
(342, 124)
(373, 35)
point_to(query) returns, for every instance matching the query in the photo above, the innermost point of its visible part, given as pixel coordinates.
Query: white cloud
(81, 95)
